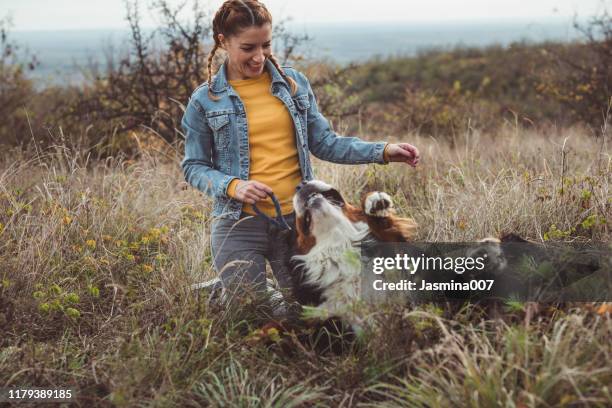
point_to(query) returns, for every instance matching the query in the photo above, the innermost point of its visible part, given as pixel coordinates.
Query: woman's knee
(237, 250)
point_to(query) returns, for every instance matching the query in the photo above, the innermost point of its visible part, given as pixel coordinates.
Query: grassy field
(96, 260)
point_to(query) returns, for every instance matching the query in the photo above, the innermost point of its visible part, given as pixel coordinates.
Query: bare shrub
(148, 87)
(15, 88)
(581, 77)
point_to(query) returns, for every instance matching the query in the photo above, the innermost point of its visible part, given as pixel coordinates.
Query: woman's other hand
(403, 152)
(251, 191)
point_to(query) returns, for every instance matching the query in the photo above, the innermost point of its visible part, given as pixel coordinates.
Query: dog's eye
(306, 222)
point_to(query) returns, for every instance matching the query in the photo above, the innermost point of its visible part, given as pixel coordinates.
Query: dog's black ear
(334, 197)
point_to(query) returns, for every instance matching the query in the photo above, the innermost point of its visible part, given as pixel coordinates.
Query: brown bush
(148, 87)
(580, 77)
(15, 88)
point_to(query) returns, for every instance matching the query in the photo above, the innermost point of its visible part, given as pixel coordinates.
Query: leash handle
(279, 220)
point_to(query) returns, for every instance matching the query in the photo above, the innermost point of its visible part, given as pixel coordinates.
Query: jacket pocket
(220, 125)
(302, 102)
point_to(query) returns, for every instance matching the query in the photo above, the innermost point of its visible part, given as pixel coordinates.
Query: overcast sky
(94, 14)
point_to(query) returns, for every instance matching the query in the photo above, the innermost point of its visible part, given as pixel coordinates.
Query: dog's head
(319, 208)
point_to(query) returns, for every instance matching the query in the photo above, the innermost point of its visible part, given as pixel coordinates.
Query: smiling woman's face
(247, 51)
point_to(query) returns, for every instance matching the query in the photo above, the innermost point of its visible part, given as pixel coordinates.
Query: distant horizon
(346, 42)
(372, 23)
(30, 15)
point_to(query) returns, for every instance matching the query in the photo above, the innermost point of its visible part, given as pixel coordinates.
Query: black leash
(279, 221)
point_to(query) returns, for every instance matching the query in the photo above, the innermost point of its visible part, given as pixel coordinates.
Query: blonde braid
(292, 83)
(218, 20)
(211, 56)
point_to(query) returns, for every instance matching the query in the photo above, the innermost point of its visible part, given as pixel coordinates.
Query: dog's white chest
(334, 266)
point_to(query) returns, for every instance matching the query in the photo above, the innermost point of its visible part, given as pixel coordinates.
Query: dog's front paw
(378, 204)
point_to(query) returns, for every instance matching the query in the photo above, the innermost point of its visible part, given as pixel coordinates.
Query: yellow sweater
(272, 149)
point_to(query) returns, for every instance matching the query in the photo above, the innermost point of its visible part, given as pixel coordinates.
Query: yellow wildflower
(273, 334)
(154, 232)
(457, 86)
(73, 313)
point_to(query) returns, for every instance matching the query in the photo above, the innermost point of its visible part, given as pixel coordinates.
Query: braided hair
(234, 16)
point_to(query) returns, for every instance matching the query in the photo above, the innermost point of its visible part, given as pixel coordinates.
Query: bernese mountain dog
(330, 236)
(329, 233)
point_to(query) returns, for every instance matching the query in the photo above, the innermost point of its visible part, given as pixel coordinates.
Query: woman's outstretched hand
(251, 191)
(403, 152)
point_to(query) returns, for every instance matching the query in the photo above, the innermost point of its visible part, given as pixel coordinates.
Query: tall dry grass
(96, 259)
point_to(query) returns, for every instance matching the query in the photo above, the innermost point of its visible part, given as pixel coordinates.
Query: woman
(249, 131)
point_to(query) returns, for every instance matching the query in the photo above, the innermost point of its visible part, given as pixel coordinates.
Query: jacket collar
(220, 83)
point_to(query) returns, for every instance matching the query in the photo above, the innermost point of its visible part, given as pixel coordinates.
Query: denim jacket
(217, 141)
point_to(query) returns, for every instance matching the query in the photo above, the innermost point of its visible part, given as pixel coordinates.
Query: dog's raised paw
(378, 204)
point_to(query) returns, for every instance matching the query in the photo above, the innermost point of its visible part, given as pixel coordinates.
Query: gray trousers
(241, 247)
